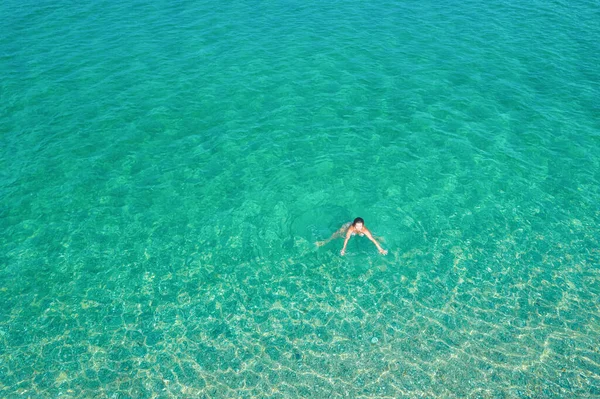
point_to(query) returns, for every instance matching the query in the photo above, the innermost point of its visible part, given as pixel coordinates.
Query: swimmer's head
(358, 223)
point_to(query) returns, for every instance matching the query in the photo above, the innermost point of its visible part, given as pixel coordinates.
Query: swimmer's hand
(320, 243)
(383, 251)
(343, 252)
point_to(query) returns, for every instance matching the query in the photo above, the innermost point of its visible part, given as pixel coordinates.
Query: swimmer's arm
(348, 235)
(370, 237)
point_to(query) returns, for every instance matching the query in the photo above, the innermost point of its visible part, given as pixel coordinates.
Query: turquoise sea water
(166, 168)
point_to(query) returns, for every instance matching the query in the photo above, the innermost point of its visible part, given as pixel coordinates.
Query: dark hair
(358, 220)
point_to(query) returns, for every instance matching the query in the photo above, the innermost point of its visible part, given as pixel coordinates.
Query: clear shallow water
(165, 170)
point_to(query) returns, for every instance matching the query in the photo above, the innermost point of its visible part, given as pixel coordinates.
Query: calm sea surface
(166, 168)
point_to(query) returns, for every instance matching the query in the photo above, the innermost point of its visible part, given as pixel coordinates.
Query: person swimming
(351, 229)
